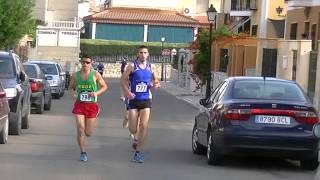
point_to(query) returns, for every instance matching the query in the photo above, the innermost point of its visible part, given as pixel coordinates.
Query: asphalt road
(48, 150)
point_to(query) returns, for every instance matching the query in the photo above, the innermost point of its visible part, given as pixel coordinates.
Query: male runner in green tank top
(84, 89)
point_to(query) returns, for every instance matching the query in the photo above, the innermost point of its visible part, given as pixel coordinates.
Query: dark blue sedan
(264, 117)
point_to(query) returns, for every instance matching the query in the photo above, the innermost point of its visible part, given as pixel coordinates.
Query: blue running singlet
(140, 81)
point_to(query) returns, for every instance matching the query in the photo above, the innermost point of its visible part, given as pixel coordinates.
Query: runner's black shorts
(139, 104)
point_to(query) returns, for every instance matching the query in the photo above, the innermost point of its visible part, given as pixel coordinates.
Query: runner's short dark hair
(143, 47)
(86, 57)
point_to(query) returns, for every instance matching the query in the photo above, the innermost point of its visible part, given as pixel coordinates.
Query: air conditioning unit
(187, 11)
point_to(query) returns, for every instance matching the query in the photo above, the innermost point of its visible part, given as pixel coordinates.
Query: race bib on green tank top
(85, 97)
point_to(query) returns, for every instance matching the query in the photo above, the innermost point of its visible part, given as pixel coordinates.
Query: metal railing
(118, 57)
(76, 24)
(243, 5)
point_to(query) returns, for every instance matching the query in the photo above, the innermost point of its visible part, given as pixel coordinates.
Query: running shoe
(138, 157)
(83, 157)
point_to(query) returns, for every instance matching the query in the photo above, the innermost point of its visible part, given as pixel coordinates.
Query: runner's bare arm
(125, 81)
(102, 84)
(72, 86)
(155, 80)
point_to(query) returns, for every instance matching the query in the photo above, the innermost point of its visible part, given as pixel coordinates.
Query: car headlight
(11, 92)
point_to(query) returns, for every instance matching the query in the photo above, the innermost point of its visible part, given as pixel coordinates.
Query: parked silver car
(54, 75)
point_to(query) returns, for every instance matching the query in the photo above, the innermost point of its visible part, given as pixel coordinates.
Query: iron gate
(269, 62)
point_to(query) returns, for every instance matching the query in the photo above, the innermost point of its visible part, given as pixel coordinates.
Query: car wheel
(4, 132)
(47, 106)
(26, 118)
(15, 125)
(309, 163)
(57, 96)
(213, 157)
(40, 108)
(197, 148)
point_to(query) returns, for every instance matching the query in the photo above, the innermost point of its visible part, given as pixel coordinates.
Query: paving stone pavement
(182, 93)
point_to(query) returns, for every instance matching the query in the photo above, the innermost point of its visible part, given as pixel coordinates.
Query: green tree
(16, 20)
(203, 57)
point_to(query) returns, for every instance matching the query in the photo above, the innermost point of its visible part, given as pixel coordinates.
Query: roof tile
(120, 15)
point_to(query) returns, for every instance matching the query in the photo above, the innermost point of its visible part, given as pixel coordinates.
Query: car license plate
(262, 119)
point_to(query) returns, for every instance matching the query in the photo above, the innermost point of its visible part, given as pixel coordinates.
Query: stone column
(316, 99)
(93, 31)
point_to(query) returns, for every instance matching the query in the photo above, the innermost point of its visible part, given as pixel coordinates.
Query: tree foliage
(16, 20)
(202, 58)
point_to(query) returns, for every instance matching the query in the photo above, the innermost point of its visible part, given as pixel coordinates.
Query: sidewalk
(181, 93)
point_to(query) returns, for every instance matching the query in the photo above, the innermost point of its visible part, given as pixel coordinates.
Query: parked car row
(26, 88)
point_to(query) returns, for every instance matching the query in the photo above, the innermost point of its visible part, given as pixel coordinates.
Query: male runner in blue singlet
(136, 82)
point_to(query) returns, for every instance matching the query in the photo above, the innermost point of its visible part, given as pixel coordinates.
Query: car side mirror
(203, 102)
(62, 73)
(22, 76)
(316, 130)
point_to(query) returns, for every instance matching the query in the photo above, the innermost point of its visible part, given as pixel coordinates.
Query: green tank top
(85, 86)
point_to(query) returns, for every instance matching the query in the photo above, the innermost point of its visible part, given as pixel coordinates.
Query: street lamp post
(212, 14)
(163, 39)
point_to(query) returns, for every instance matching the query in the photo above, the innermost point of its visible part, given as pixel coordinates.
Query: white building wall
(68, 38)
(47, 38)
(40, 9)
(83, 9)
(62, 10)
(195, 6)
(285, 49)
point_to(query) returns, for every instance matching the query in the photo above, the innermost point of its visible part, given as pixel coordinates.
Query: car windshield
(6, 68)
(269, 90)
(30, 70)
(48, 68)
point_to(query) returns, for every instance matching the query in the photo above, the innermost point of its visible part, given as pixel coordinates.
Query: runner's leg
(90, 124)
(133, 121)
(80, 121)
(133, 126)
(144, 115)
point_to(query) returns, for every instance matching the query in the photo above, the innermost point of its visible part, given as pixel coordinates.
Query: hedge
(94, 47)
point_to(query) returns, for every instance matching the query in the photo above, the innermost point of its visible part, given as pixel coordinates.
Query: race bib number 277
(141, 87)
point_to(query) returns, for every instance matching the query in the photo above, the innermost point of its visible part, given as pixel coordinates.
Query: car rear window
(48, 69)
(270, 90)
(6, 68)
(30, 70)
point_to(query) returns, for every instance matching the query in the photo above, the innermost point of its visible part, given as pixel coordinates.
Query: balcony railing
(65, 24)
(72, 25)
(299, 3)
(243, 5)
